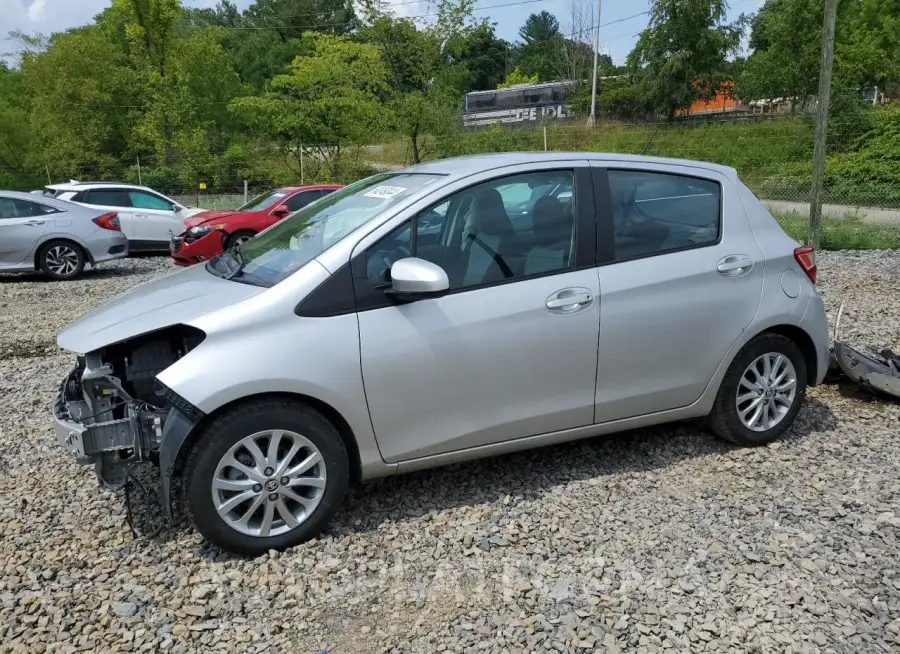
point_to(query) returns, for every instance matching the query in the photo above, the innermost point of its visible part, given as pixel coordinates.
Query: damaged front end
(878, 371)
(111, 411)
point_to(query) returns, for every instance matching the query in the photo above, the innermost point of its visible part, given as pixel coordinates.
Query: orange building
(722, 102)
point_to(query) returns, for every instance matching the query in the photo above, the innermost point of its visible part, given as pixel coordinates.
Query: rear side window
(14, 208)
(141, 200)
(105, 197)
(655, 213)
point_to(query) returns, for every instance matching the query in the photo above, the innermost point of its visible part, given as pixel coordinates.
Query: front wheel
(266, 475)
(761, 393)
(238, 238)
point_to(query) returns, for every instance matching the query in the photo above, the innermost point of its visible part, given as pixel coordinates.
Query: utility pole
(593, 115)
(818, 173)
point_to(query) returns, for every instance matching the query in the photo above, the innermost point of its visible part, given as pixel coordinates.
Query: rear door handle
(734, 265)
(35, 222)
(569, 300)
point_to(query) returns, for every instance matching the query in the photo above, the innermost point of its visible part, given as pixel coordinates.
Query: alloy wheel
(62, 260)
(766, 391)
(269, 483)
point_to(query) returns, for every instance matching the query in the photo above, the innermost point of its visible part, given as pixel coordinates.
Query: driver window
(385, 253)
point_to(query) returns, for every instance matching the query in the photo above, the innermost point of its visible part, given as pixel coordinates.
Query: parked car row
(207, 233)
(64, 227)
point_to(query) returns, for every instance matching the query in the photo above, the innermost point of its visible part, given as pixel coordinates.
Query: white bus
(521, 103)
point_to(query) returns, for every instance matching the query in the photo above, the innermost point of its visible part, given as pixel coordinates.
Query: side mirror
(416, 279)
(281, 210)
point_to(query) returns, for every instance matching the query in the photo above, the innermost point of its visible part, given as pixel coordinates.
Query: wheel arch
(802, 340)
(330, 413)
(36, 259)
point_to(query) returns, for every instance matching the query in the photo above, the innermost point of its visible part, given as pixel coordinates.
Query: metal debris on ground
(879, 370)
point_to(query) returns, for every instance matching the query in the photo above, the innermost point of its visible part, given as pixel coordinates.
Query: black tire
(55, 257)
(235, 424)
(724, 419)
(239, 235)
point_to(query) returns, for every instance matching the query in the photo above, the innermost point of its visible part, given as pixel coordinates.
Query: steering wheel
(388, 259)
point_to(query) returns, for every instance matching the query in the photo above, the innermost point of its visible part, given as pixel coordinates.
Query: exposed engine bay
(111, 410)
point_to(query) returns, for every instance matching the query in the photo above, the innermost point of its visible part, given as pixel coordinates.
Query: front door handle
(569, 300)
(734, 265)
(35, 222)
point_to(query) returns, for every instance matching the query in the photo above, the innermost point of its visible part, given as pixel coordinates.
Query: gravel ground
(658, 539)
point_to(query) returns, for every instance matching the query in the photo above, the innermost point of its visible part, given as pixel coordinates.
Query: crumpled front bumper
(83, 437)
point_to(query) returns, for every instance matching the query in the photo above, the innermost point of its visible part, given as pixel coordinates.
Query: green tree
(83, 102)
(516, 77)
(485, 56)
(541, 48)
(424, 79)
(325, 101)
(785, 43)
(681, 56)
(15, 131)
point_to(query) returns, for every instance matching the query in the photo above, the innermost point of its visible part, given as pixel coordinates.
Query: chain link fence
(773, 155)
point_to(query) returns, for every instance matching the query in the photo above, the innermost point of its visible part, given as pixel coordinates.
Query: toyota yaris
(453, 310)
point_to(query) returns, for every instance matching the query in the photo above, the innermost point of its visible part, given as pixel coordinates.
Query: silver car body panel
(21, 238)
(174, 298)
(438, 381)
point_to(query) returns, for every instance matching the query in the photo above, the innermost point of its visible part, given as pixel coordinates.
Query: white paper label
(383, 192)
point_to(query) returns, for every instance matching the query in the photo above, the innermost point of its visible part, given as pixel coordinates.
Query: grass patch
(848, 233)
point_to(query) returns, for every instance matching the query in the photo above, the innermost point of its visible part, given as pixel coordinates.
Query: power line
(350, 23)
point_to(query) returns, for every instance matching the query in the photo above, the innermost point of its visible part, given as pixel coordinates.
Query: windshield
(263, 201)
(276, 253)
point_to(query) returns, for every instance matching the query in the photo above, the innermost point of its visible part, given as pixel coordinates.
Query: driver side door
(494, 359)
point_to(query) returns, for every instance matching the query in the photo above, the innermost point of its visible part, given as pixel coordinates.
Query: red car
(210, 232)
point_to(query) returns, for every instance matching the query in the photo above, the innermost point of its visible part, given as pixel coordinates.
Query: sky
(620, 20)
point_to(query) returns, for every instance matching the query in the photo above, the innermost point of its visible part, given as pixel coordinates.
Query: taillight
(806, 258)
(109, 221)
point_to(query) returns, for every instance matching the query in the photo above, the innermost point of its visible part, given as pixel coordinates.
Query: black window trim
(605, 232)
(585, 230)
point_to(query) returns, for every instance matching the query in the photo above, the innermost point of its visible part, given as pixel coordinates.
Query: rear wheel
(266, 475)
(762, 392)
(238, 238)
(61, 259)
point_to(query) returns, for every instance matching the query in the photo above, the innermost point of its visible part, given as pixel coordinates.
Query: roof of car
(466, 165)
(81, 186)
(308, 187)
(42, 199)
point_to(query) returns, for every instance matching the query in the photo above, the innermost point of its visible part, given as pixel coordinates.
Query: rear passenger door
(21, 226)
(678, 286)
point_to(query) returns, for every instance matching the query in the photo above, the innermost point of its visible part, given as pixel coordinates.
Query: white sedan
(148, 218)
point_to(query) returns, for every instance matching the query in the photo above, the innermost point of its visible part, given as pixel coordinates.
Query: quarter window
(654, 213)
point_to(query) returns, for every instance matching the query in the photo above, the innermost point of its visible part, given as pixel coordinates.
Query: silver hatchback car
(453, 310)
(56, 237)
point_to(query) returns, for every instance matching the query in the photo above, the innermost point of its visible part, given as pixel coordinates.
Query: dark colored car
(210, 232)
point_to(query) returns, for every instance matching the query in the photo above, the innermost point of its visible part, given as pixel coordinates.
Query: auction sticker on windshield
(383, 192)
